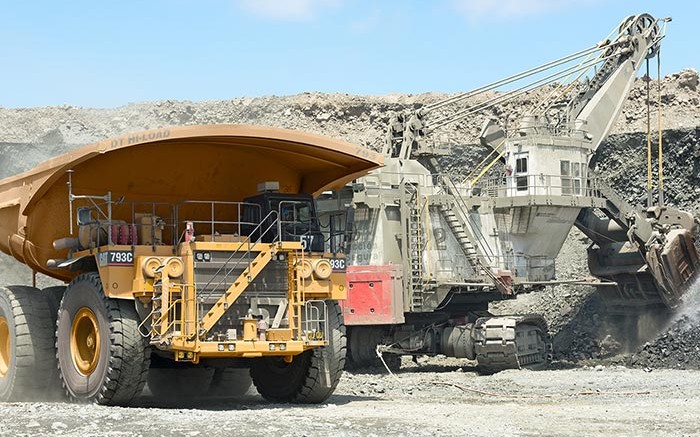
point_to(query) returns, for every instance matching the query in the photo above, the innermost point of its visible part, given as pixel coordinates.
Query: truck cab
(294, 214)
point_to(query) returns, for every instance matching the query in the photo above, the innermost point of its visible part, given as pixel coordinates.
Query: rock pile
(678, 347)
(357, 119)
(678, 344)
(622, 162)
(688, 78)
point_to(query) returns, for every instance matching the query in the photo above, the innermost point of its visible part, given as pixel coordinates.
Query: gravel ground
(426, 401)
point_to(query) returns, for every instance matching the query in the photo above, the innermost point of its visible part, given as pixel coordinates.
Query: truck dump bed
(170, 165)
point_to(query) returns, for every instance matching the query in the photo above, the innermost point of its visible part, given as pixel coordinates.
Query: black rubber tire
(32, 354)
(175, 384)
(124, 359)
(362, 349)
(230, 382)
(53, 296)
(312, 376)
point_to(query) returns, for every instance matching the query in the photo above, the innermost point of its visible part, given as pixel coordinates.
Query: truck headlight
(306, 269)
(149, 266)
(174, 267)
(323, 269)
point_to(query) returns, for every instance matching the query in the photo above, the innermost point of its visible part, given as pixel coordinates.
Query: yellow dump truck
(192, 255)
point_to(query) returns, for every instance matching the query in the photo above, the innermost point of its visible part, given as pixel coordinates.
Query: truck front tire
(312, 376)
(101, 354)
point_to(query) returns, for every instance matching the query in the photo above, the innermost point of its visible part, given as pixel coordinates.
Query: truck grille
(210, 286)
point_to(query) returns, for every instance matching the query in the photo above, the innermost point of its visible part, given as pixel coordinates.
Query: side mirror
(84, 216)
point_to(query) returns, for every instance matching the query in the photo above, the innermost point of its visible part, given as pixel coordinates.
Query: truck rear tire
(27, 354)
(175, 384)
(101, 354)
(230, 382)
(53, 296)
(312, 376)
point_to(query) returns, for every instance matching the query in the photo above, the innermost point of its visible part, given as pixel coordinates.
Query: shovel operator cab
(171, 288)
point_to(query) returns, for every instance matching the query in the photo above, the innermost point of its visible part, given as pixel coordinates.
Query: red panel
(374, 296)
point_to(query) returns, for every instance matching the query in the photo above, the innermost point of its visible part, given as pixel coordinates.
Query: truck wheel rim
(4, 347)
(85, 341)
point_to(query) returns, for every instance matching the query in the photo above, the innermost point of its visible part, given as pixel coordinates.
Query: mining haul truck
(428, 251)
(189, 253)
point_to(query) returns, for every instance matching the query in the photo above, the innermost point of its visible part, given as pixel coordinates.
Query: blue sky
(104, 54)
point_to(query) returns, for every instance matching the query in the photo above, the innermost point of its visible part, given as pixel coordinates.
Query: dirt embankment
(354, 118)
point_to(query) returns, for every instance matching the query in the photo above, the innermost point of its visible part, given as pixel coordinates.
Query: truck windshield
(299, 212)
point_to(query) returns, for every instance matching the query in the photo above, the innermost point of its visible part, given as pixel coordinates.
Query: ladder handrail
(416, 283)
(452, 190)
(247, 242)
